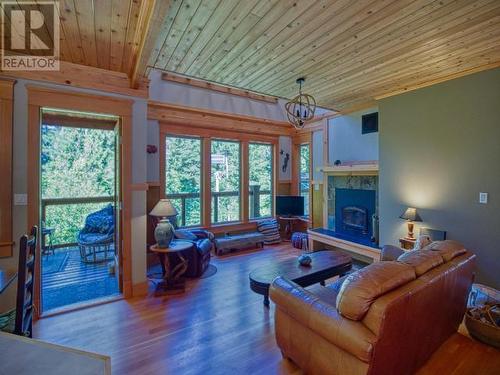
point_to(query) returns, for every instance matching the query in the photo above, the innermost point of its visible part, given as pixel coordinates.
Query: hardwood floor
(217, 327)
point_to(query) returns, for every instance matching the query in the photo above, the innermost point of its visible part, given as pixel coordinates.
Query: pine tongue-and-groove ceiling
(351, 52)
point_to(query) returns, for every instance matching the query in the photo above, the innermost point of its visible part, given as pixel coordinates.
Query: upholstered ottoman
(300, 240)
(226, 244)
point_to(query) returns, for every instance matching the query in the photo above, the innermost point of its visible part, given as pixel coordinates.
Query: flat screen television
(289, 205)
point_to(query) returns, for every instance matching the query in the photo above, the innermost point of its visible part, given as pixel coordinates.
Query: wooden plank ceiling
(351, 52)
(100, 33)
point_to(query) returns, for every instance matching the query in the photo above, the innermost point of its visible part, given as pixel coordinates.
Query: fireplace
(355, 218)
(354, 209)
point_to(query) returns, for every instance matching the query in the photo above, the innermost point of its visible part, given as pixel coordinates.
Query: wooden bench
(231, 242)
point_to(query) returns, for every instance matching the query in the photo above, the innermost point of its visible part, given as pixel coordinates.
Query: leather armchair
(199, 255)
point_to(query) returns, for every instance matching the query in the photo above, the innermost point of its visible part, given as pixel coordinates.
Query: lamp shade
(164, 208)
(411, 214)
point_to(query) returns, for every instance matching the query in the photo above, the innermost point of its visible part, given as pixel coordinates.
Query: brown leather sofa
(387, 318)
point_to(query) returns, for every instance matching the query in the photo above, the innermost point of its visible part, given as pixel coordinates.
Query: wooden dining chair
(25, 280)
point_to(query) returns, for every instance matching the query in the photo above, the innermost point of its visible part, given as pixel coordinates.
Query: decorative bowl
(304, 260)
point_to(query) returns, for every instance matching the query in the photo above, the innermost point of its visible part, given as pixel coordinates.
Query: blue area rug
(54, 262)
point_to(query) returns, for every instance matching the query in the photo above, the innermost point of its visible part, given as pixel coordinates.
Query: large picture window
(260, 164)
(183, 178)
(225, 181)
(304, 175)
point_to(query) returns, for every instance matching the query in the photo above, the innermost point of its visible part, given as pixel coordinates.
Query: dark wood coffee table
(325, 264)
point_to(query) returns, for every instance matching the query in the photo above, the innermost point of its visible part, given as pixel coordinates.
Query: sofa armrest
(323, 318)
(390, 252)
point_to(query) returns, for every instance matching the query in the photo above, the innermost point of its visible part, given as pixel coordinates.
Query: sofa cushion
(362, 287)
(421, 261)
(448, 249)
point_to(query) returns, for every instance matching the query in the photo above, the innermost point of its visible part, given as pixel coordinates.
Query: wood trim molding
(87, 77)
(206, 185)
(313, 126)
(6, 158)
(207, 85)
(42, 97)
(244, 181)
(209, 119)
(77, 101)
(182, 130)
(139, 187)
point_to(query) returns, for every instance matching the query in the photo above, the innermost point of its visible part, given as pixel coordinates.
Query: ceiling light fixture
(300, 109)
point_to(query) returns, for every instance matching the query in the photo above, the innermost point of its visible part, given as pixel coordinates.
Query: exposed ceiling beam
(151, 18)
(177, 78)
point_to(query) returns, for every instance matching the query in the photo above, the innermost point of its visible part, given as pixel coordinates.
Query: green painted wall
(440, 147)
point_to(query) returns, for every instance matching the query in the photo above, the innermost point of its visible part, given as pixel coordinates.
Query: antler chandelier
(300, 109)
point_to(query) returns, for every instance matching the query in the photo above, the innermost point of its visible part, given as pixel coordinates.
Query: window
(183, 178)
(260, 162)
(225, 181)
(304, 175)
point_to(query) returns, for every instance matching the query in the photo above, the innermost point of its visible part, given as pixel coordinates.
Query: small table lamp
(164, 231)
(411, 215)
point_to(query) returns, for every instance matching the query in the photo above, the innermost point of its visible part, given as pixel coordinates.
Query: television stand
(289, 222)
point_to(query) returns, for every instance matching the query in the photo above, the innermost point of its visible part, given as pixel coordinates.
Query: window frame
(240, 183)
(207, 135)
(273, 182)
(300, 180)
(163, 177)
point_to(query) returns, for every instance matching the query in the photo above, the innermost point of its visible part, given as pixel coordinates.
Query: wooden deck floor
(217, 327)
(67, 280)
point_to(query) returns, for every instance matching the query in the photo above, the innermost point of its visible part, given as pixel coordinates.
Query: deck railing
(72, 224)
(255, 206)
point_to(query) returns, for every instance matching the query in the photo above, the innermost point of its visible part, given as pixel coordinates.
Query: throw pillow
(270, 229)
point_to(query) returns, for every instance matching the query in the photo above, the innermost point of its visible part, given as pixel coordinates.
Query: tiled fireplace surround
(368, 202)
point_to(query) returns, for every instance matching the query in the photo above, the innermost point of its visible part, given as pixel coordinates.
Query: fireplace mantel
(352, 169)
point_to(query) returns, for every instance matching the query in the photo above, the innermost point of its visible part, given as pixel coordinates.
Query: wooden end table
(172, 278)
(407, 243)
(325, 264)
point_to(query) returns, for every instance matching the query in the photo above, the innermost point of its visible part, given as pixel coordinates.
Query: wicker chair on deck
(95, 240)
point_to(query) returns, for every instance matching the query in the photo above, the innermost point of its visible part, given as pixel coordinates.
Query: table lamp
(411, 215)
(164, 231)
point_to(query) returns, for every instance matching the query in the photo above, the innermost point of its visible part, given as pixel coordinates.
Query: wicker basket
(482, 318)
(483, 324)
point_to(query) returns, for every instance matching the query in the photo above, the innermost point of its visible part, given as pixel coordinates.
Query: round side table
(172, 281)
